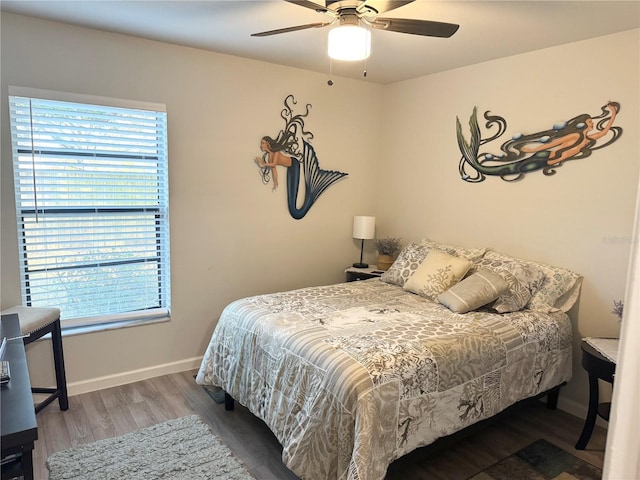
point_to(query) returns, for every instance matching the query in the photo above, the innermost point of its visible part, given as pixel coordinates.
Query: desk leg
(27, 464)
(594, 395)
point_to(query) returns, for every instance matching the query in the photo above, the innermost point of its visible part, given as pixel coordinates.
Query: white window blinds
(91, 192)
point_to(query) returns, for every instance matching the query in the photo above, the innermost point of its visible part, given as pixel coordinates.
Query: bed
(352, 376)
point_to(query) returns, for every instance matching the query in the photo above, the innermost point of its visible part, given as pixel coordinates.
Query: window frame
(151, 313)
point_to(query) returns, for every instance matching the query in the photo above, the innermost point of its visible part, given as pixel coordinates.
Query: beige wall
(580, 218)
(231, 236)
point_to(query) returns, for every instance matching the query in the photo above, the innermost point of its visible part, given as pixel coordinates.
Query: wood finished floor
(119, 410)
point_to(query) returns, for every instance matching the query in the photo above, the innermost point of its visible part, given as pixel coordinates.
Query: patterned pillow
(528, 276)
(514, 298)
(414, 253)
(407, 262)
(476, 290)
(473, 254)
(558, 290)
(436, 274)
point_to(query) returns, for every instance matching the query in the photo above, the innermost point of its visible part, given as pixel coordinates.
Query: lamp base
(360, 265)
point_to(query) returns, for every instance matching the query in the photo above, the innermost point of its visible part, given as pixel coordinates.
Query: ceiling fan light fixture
(349, 42)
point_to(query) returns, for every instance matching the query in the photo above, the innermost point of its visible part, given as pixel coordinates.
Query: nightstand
(598, 366)
(354, 274)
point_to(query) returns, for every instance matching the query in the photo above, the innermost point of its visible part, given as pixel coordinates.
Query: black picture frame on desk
(18, 416)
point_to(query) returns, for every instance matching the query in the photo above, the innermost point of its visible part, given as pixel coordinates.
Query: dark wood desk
(18, 423)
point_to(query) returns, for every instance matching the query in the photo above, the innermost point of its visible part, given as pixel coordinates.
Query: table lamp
(364, 228)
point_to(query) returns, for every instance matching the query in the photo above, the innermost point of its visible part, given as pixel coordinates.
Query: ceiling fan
(355, 12)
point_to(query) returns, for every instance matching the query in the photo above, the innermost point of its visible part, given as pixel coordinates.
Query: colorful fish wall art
(292, 149)
(525, 153)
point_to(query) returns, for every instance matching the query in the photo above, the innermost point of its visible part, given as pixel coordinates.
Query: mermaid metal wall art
(546, 150)
(285, 151)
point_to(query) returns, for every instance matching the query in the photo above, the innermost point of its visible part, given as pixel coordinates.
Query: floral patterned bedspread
(350, 377)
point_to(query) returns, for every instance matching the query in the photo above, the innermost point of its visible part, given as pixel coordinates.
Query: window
(92, 205)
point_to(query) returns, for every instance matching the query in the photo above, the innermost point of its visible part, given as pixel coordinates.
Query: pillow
(514, 298)
(529, 276)
(473, 292)
(468, 253)
(473, 254)
(408, 261)
(413, 254)
(437, 273)
(559, 289)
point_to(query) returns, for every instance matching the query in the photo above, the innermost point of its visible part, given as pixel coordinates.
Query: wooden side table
(598, 367)
(355, 274)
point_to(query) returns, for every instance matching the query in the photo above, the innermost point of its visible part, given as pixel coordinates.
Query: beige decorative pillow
(473, 292)
(436, 274)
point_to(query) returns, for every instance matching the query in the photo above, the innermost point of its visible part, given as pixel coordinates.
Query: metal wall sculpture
(284, 150)
(546, 150)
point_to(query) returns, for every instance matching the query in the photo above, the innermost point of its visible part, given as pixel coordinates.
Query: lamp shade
(349, 42)
(364, 227)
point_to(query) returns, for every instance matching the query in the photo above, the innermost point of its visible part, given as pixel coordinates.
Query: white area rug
(180, 449)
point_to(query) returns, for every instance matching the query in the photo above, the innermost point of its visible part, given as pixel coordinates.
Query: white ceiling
(488, 30)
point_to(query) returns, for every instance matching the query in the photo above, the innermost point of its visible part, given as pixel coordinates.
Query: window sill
(115, 325)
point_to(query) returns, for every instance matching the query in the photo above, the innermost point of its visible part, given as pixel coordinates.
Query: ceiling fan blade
(311, 5)
(291, 29)
(381, 6)
(426, 28)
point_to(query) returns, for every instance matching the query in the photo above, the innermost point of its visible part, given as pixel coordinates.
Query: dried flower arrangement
(387, 246)
(618, 308)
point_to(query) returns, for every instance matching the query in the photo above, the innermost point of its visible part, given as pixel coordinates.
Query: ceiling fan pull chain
(330, 82)
(367, 45)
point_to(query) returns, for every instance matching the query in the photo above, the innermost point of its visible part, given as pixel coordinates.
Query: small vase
(384, 262)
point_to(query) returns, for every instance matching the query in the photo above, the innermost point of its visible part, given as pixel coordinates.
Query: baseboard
(571, 406)
(99, 383)
(577, 410)
(85, 386)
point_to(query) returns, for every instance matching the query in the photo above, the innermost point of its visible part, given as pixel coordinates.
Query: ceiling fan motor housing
(348, 17)
(340, 5)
